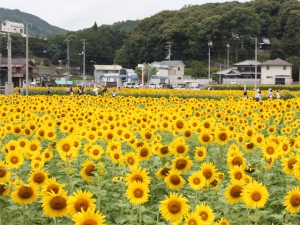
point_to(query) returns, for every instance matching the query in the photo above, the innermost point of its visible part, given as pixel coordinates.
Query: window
(284, 67)
(268, 67)
(178, 78)
(269, 77)
(21, 30)
(178, 68)
(4, 24)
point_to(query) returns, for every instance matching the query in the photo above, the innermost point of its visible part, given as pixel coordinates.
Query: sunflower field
(149, 157)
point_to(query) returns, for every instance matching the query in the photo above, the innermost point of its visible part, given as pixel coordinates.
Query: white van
(128, 85)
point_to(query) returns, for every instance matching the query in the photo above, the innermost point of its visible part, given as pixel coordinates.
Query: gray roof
(16, 61)
(276, 62)
(230, 71)
(247, 63)
(171, 62)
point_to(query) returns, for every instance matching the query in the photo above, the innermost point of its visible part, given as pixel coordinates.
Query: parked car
(180, 86)
(153, 86)
(128, 85)
(138, 86)
(167, 86)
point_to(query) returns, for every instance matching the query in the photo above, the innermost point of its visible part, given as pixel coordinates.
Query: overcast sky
(79, 14)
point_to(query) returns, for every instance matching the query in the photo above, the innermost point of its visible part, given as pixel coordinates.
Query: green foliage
(126, 26)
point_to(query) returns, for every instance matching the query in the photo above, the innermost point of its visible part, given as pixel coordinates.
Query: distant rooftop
(276, 62)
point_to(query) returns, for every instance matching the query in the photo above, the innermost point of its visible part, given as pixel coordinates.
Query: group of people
(258, 95)
(69, 91)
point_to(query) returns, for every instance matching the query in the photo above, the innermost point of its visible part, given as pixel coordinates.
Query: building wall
(7, 26)
(268, 76)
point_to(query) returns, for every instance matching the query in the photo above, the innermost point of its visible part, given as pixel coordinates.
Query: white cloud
(79, 14)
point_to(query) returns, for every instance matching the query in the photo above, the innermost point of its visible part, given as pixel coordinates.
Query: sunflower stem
(24, 209)
(1, 213)
(55, 221)
(140, 214)
(286, 220)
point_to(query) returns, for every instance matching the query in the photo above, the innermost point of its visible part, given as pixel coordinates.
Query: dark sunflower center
(237, 161)
(96, 152)
(207, 173)
(81, 204)
(175, 179)
(130, 161)
(89, 170)
(38, 178)
(238, 175)
(295, 200)
(53, 188)
(250, 145)
(181, 164)
(138, 193)
(236, 191)
(148, 135)
(270, 150)
(223, 136)
(164, 150)
(58, 203)
(25, 192)
(164, 171)
(180, 149)
(291, 163)
(196, 181)
(137, 178)
(33, 147)
(179, 124)
(200, 153)
(66, 147)
(203, 215)
(285, 147)
(256, 196)
(14, 160)
(205, 138)
(2, 172)
(144, 152)
(174, 207)
(2, 189)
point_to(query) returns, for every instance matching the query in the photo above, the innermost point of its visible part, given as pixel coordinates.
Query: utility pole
(169, 57)
(9, 84)
(255, 64)
(27, 76)
(68, 61)
(209, 45)
(83, 53)
(228, 46)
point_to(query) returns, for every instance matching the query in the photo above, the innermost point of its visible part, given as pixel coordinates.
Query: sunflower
(205, 212)
(40, 133)
(88, 217)
(14, 159)
(192, 219)
(236, 160)
(163, 150)
(147, 135)
(22, 143)
(81, 201)
(205, 137)
(25, 194)
(288, 163)
(137, 192)
(237, 173)
(4, 190)
(36, 164)
(174, 208)
(255, 195)
(208, 170)
(88, 170)
(222, 136)
(179, 147)
(55, 205)
(174, 180)
(270, 149)
(138, 174)
(197, 180)
(223, 221)
(179, 125)
(182, 163)
(34, 147)
(162, 173)
(39, 177)
(131, 159)
(48, 155)
(233, 192)
(200, 153)
(66, 149)
(52, 186)
(95, 152)
(292, 201)
(91, 136)
(50, 134)
(4, 172)
(144, 153)
(116, 156)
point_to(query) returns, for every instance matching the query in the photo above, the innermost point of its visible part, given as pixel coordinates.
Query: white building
(117, 79)
(173, 69)
(12, 27)
(276, 71)
(100, 70)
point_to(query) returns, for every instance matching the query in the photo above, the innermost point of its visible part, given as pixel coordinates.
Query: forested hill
(37, 27)
(126, 26)
(191, 28)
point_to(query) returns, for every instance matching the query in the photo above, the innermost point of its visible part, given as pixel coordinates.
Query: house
(276, 71)
(100, 70)
(46, 76)
(18, 68)
(117, 79)
(242, 73)
(12, 27)
(173, 69)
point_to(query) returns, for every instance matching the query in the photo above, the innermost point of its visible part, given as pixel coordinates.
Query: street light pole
(83, 53)
(27, 79)
(209, 45)
(255, 63)
(9, 84)
(228, 46)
